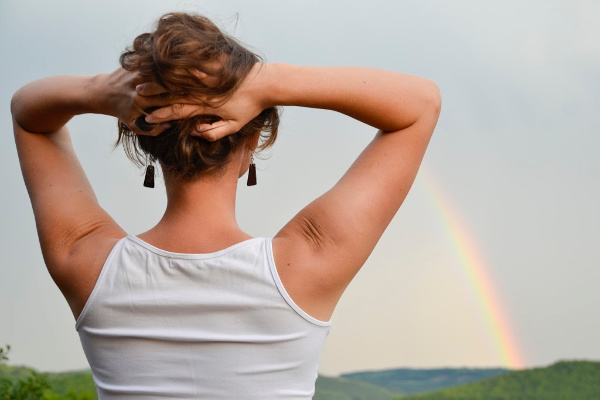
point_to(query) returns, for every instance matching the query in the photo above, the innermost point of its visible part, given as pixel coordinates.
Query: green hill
(80, 386)
(411, 381)
(346, 389)
(565, 380)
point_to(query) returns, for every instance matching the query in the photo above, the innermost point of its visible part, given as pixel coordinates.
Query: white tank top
(162, 325)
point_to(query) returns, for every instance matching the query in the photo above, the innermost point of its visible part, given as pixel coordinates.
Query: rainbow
(473, 268)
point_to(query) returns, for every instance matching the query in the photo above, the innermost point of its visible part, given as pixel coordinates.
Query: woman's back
(217, 325)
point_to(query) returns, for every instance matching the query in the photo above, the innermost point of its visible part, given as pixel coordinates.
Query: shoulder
(307, 272)
(75, 268)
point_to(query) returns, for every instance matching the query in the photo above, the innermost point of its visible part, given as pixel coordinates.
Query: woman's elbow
(14, 102)
(433, 97)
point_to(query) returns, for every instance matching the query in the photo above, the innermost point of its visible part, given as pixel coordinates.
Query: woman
(195, 307)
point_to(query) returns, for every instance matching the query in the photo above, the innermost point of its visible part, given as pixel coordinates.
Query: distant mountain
(565, 380)
(346, 389)
(411, 381)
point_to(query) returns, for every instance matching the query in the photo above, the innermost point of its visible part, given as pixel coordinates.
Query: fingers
(175, 112)
(199, 74)
(154, 88)
(210, 80)
(142, 125)
(160, 128)
(139, 128)
(153, 102)
(150, 89)
(216, 130)
(152, 95)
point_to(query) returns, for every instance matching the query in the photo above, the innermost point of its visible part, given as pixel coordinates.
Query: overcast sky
(515, 154)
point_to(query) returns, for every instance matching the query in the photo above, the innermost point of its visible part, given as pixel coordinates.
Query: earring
(251, 172)
(149, 177)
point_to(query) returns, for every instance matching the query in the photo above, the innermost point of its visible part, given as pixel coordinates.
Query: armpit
(315, 234)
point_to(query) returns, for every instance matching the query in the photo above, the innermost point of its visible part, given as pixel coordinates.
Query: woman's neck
(200, 215)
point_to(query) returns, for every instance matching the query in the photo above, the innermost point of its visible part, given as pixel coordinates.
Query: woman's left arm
(75, 233)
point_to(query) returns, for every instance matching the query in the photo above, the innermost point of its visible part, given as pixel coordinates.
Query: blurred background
(493, 260)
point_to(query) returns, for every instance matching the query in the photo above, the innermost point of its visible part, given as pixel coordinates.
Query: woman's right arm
(322, 248)
(75, 233)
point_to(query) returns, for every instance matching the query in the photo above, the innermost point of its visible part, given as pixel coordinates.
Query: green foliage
(4, 353)
(411, 381)
(31, 387)
(565, 380)
(73, 385)
(345, 389)
(20, 383)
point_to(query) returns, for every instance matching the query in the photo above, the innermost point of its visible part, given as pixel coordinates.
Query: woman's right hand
(234, 112)
(115, 94)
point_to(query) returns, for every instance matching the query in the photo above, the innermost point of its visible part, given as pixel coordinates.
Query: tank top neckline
(195, 256)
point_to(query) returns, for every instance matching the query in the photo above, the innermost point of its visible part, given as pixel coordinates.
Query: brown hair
(178, 47)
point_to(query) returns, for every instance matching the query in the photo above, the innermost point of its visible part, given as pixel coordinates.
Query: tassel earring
(149, 177)
(251, 172)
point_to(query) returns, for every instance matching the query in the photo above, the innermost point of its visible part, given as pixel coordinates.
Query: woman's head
(172, 55)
